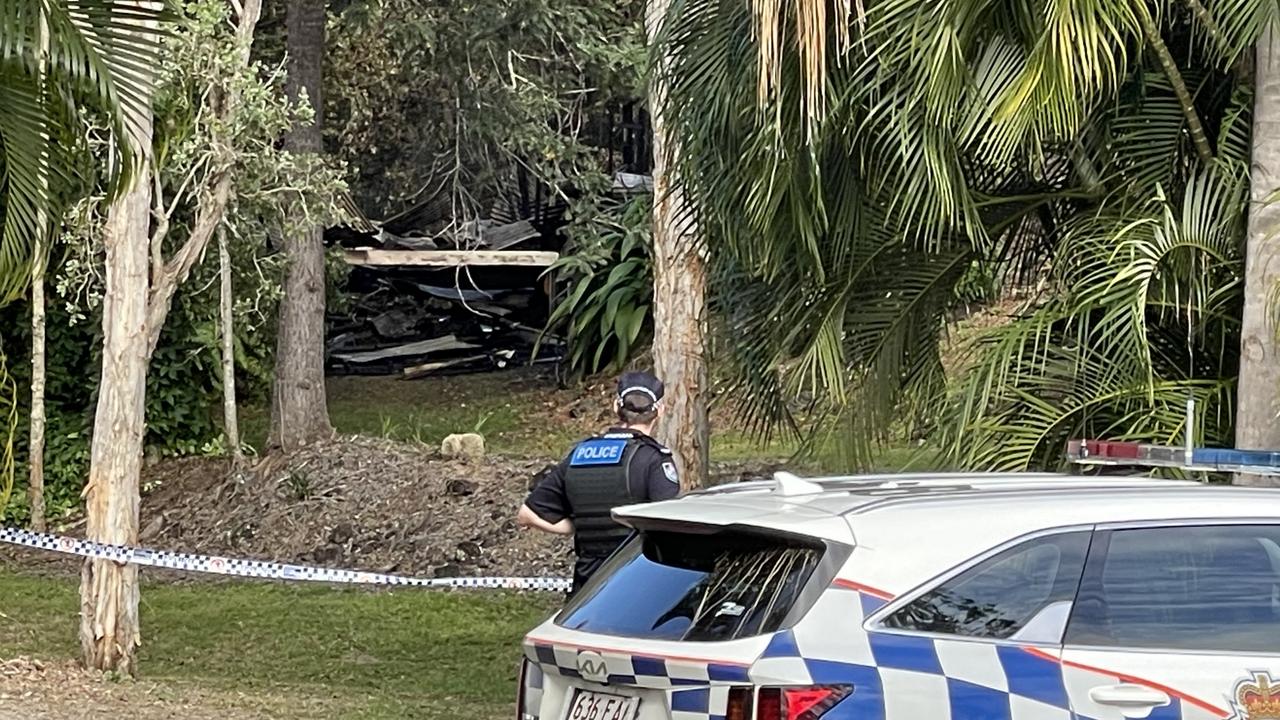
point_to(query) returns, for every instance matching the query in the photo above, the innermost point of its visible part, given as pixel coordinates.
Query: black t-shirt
(652, 478)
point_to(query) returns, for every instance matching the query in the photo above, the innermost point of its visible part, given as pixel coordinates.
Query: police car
(969, 597)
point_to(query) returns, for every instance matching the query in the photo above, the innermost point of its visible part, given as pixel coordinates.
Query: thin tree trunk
(109, 631)
(35, 455)
(167, 276)
(679, 298)
(1258, 389)
(230, 423)
(1195, 128)
(299, 409)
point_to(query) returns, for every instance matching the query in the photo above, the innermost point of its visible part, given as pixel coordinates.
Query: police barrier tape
(262, 569)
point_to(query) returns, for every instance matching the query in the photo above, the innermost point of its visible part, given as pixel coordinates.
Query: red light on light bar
(1104, 449)
(1126, 450)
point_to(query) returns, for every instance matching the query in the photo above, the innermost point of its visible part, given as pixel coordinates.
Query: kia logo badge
(591, 666)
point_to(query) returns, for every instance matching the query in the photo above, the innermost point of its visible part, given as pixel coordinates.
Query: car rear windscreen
(675, 586)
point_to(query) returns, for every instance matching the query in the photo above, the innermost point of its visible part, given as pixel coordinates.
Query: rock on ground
(463, 446)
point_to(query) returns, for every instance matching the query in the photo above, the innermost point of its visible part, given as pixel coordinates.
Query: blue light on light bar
(1247, 458)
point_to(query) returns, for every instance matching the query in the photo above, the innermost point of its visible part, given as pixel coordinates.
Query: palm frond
(1149, 318)
(24, 138)
(100, 59)
(1038, 139)
(1239, 24)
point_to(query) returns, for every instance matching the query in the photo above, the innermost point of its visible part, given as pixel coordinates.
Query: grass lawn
(493, 404)
(514, 410)
(401, 654)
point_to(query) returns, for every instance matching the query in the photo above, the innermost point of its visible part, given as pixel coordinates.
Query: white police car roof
(953, 514)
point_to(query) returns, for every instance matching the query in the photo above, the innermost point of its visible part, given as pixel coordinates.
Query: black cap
(641, 382)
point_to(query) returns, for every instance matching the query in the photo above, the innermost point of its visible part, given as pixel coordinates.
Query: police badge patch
(669, 469)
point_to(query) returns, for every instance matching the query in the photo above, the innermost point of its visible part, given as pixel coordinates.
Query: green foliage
(97, 59)
(939, 150)
(60, 60)
(1145, 296)
(66, 464)
(272, 191)
(184, 381)
(456, 98)
(980, 284)
(606, 306)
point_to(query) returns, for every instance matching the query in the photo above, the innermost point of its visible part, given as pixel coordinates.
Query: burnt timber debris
(395, 325)
(436, 290)
(429, 296)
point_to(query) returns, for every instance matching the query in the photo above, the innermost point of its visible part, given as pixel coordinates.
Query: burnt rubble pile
(431, 294)
(399, 324)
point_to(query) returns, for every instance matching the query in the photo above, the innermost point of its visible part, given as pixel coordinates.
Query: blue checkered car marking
(645, 670)
(1028, 677)
(696, 700)
(1033, 676)
(893, 676)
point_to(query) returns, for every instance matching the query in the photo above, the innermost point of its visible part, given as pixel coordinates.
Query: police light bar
(1199, 459)
(1188, 457)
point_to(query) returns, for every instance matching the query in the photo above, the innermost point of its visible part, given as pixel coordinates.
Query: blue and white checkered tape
(262, 569)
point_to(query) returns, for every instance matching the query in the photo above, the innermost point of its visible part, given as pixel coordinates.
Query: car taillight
(798, 703)
(739, 707)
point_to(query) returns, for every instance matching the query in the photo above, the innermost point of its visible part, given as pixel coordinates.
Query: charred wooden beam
(447, 258)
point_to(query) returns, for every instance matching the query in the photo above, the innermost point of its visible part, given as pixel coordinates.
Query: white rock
(465, 446)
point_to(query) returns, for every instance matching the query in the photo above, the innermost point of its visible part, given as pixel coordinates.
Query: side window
(1003, 594)
(1213, 587)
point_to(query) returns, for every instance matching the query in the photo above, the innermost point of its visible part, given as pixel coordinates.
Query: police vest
(596, 482)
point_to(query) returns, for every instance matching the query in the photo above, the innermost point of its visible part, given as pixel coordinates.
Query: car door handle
(1133, 701)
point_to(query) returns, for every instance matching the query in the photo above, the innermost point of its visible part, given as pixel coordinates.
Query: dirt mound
(355, 502)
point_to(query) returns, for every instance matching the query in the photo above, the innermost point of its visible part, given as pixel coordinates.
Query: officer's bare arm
(529, 518)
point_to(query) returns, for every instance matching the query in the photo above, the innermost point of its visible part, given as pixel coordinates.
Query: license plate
(588, 705)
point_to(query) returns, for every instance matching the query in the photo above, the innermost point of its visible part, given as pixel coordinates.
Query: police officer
(622, 466)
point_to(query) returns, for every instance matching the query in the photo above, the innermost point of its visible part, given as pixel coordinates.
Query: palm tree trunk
(35, 454)
(679, 297)
(1258, 389)
(299, 410)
